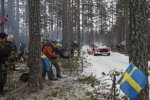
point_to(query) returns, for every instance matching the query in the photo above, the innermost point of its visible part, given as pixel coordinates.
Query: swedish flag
(132, 81)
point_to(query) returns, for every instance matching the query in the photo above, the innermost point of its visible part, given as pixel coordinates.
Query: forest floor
(70, 87)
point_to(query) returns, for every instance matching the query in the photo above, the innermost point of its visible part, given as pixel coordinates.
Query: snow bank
(99, 64)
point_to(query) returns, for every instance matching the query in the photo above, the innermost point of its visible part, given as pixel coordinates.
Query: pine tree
(138, 39)
(2, 14)
(35, 66)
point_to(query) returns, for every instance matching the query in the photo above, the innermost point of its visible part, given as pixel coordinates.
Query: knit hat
(3, 35)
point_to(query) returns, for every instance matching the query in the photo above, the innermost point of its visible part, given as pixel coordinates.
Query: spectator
(74, 47)
(118, 46)
(47, 68)
(22, 50)
(5, 52)
(14, 54)
(48, 51)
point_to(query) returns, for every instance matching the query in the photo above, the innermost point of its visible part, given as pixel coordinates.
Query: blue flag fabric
(132, 81)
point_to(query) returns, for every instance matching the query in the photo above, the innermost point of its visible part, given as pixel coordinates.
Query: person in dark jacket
(5, 52)
(21, 51)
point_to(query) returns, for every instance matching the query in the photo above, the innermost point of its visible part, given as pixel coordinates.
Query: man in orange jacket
(48, 51)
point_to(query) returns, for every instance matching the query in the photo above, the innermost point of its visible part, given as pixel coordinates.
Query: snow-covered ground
(99, 64)
(115, 61)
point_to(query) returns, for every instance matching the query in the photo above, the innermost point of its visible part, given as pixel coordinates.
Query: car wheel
(108, 54)
(95, 54)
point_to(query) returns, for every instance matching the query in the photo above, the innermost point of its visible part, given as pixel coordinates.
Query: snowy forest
(74, 49)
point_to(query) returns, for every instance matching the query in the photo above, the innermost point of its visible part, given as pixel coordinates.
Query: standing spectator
(47, 68)
(14, 54)
(5, 52)
(48, 51)
(118, 46)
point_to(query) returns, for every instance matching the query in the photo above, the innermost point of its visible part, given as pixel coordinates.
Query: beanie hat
(3, 35)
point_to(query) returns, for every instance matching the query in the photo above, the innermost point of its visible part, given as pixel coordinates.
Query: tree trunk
(138, 39)
(83, 28)
(78, 24)
(64, 20)
(126, 25)
(35, 66)
(2, 14)
(26, 21)
(67, 25)
(11, 15)
(17, 24)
